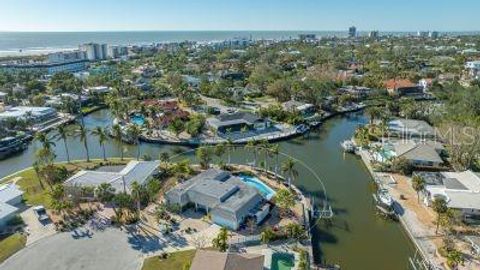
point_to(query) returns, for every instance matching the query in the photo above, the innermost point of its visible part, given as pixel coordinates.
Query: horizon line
(231, 30)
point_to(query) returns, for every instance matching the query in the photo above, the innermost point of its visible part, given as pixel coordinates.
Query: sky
(171, 15)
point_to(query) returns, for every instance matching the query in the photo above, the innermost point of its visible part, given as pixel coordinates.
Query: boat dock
(425, 256)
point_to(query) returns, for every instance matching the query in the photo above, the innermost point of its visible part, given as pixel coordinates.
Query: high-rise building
(113, 51)
(89, 50)
(373, 34)
(352, 31)
(95, 51)
(65, 57)
(104, 51)
(307, 37)
(422, 34)
(433, 34)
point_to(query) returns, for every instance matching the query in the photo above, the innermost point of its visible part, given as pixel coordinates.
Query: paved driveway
(111, 249)
(35, 229)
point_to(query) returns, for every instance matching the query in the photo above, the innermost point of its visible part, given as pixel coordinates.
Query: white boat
(348, 146)
(384, 198)
(302, 128)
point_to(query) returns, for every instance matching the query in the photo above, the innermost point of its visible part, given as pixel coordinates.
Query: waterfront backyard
(347, 181)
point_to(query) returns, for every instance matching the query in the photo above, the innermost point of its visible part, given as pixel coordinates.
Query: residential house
(237, 121)
(306, 110)
(473, 69)
(461, 191)
(358, 92)
(36, 115)
(98, 90)
(120, 177)
(425, 154)
(215, 260)
(403, 87)
(225, 197)
(409, 128)
(11, 198)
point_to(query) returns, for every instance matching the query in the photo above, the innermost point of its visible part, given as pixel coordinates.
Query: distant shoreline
(18, 44)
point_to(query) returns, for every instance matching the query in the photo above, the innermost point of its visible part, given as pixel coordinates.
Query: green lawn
(10, 245)
(175, 260)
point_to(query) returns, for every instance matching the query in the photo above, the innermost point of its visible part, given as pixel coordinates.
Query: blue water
(138, 120)
(256, 183)
(282, 261)
(42, 42)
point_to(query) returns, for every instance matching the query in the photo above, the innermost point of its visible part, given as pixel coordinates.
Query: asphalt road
(111, 249)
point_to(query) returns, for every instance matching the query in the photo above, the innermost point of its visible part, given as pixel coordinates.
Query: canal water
(355, 238)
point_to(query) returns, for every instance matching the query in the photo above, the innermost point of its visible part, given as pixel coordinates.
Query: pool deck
(269, 250)
(305, 202)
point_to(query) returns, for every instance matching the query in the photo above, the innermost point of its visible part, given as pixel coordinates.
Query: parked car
(41, 213)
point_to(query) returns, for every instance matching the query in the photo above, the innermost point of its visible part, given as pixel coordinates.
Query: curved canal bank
(355, 239)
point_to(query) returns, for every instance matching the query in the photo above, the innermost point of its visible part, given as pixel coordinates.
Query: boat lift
(325, 213)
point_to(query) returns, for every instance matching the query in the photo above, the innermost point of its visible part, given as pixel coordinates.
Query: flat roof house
(408, 128)
(10, 198)
(120, 177)
(461, 190)
(215, 260)
(37, 115)
(226, 197)
(237, 121)
(297, 106)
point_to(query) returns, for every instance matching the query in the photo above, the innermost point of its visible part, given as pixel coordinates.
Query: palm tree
(82, 133)
(136, 190)
(105, 192)
(267, 152)
(134, 133)
(275, 150)
(165, 157)
(221, 241)
(63, 132)
(251, 145)
(267, 235)
(118, 135)
(362, 136)
(36, 168)
(229, 146)
(418, 184)
(203, 155)
(440, 207)
(288, 167)
(285, 200)
(57, 195)
(102, 138)
(44, 140)
(373, 113)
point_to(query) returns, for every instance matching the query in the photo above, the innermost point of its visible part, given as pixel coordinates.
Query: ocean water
(33, 43)
(27, 43)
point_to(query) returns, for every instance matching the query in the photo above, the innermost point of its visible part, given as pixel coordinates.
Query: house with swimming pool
(420, 154)
(229, 199)
(235, 122)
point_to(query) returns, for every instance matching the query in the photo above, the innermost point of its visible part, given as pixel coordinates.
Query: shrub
(16, 221)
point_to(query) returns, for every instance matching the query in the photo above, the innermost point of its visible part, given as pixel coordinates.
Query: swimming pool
(265, 190)
(138, 120)
(282, 261)
(384, 155)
